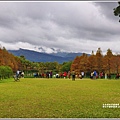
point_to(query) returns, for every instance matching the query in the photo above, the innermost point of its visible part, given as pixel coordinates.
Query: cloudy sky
(66, 26)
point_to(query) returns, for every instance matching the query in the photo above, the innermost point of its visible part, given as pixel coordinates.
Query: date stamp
(106, 105)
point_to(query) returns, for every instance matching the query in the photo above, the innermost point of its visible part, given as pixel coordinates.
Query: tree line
(21, 63)
(107, 63)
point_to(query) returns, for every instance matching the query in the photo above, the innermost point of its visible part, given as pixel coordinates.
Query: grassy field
(59, 98)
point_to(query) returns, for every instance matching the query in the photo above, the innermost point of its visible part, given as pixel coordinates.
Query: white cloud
(69, 26)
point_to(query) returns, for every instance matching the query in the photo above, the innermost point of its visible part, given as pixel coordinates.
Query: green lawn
(59, 98)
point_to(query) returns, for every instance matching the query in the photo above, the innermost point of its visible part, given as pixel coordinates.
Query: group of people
(18, 75)
(101, 75)
(94, 75)
(69, 74)
(43, 75)
(57, 75)
(50, 75)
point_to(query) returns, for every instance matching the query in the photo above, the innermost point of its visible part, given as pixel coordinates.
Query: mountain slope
(39, 57)
(44, 57)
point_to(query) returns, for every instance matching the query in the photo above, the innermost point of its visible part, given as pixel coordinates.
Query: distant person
(22, 74)
(47, 74)
(105, 75)
(51, 74)
(91, 75)
(80, 76)
(94, 74)
(73, 75)
(17, 74)
(117, 76)
(101, 75)
(82, 73)
(61, 75)
(109, 76)
(65, 74)
(42, 75)
(57, 75)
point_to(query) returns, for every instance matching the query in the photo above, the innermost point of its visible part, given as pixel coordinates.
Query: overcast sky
(68, 26)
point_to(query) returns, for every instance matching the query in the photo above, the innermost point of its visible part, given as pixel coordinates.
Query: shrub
(5, 72)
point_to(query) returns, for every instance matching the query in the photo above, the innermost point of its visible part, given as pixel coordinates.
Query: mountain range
(35, 56)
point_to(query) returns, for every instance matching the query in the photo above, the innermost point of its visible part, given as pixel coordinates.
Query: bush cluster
(5, 72)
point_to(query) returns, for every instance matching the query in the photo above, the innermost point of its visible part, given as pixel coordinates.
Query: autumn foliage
(7, 59)
(108, 63)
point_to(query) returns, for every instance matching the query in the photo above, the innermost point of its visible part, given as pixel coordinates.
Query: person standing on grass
(47, 74)
(51, 74)
(17, 74)
(105, 75)
(94, 75)
(91, 75)
(73, 75)
(22, 74)
(82, 73)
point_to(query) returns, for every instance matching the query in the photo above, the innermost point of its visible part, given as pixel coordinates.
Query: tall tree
(91, 62)
(99, 60)
(83, 65)
(108, 61)
(75, 65)
(116, 63)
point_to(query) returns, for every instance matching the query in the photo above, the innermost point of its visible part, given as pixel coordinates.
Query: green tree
(8, 71)
(5, 72)
(117, 10)
(66, 66)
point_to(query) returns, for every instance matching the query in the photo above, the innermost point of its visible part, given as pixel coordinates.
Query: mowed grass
(59, 98)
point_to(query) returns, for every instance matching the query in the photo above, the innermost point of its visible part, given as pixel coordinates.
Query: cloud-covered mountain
(48, 50)
(34, 56)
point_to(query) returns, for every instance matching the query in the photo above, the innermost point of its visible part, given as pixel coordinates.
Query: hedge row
(5, 72)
